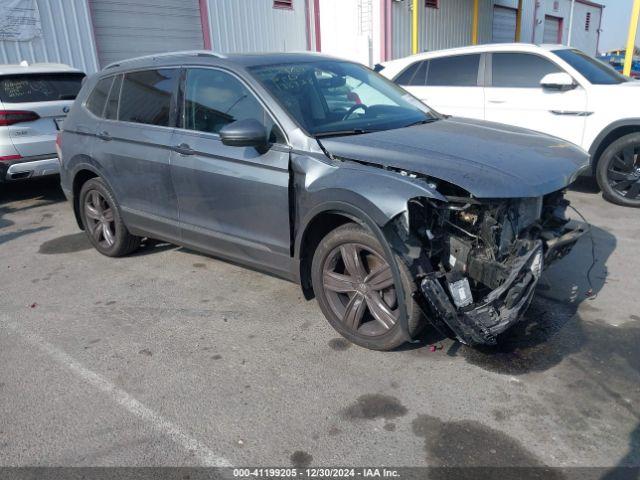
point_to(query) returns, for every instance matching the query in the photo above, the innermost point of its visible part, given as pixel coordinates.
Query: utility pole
(631, 40)
(573, 4)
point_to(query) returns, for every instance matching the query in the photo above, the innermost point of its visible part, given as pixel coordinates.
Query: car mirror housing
(558, 81)
(244, 133)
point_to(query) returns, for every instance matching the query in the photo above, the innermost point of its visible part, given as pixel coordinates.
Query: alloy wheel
(623, 173)
(360, 289)
(100, 219)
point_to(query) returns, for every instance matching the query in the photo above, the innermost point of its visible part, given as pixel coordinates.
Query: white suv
(34, 100)
(549, 88)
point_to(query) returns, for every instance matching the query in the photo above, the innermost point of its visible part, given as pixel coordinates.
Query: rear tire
(357, 296)
(102, 220)
(618, 171)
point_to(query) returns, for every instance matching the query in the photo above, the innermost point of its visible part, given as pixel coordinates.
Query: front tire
(355, 288)
(102, 221)
(618, 171)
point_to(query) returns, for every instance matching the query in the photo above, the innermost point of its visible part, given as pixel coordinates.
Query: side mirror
(244, 133)
(558, 81)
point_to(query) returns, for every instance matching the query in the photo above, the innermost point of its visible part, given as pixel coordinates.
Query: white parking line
(201, 451)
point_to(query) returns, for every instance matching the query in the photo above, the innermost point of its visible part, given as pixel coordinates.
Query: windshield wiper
(339, 133)
(421, 122)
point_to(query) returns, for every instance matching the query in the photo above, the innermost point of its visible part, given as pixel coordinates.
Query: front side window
(146, 96)
(597, 72)
(328, 97)
(98, 97)
(458, 71)
(520, 70)
(40, 87)
(213, 99)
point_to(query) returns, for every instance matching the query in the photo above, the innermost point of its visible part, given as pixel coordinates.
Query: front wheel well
(316, 230)
(80, 179)
(609, 138)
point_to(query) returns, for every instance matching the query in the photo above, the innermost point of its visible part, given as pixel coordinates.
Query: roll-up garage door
(504, 24)
(552, 32)
(125, 29)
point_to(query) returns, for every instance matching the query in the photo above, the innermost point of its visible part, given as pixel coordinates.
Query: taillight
(59, 146)
(9, 117)
(10, 157)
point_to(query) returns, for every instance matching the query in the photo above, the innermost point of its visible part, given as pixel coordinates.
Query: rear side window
(458, 71)
(111, 112)
(214, 99)
(146, 96)
(405, 77)
(98, 97)
(520, 70)
(40, 87)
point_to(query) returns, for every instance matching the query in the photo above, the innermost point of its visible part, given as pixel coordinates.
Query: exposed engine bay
(480, 259)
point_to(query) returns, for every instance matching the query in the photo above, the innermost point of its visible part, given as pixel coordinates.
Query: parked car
(617, 63)
(549, 88)
(34, 101)
(385, 211)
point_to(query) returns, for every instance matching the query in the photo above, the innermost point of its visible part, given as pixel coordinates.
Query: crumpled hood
(489, 160)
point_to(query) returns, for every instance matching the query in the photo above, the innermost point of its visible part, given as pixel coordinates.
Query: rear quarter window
(98, 97)
(40, 87)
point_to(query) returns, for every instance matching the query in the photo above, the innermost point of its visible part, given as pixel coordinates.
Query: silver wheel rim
(100, 220)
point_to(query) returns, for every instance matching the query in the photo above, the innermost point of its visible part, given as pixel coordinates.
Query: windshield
(595, 71)
(330, 97)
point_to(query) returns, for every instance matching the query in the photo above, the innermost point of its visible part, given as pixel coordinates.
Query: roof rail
(194, 53)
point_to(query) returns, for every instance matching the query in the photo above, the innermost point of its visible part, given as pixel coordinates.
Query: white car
(34, 101)
(553, 89)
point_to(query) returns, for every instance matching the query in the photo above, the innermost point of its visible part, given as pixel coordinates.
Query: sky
(615, 24)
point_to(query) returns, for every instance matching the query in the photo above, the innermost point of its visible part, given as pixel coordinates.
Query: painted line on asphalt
(200, 450)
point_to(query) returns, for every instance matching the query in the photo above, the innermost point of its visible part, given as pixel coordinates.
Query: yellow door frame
(631, 39)
(414, 26)
(474, 28)
(519, 21)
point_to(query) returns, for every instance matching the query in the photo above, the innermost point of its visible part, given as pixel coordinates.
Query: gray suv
(322, 172)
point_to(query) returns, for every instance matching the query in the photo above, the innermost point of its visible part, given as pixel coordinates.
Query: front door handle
(183, 149)
(497, 101)
(104, 136)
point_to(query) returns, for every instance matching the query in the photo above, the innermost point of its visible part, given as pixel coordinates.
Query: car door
(450, 85)
(133, 148)
(514, 96)
(233, 201)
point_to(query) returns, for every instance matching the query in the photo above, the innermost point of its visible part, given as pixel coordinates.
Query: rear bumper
(29, 167)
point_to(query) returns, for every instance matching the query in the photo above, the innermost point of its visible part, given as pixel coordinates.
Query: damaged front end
(477, 261)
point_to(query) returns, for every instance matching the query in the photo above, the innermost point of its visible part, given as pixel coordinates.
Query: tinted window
(593, 70)
(214, 99)
(459, 71)
(40, 87)
(98, 97)
(520, 70)
(405, 77)
(146, 96)
(111, 112)
(420, 78)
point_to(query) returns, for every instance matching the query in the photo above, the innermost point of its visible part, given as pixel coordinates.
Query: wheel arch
(610, 134)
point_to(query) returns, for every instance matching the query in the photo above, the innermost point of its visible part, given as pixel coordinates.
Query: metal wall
(255, 26)
(66, 37)
(448, 26)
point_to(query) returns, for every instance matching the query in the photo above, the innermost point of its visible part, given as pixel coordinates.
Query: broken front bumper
(481, 322)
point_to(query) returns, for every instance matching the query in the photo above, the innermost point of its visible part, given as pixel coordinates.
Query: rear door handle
(104, 136)
(497, 101)
(183, 149)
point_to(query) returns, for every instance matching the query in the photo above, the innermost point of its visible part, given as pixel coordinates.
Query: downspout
(573, 5)
(631, 40)
(389, 28)
(474, 27)
(316, 20)
(519, 21)
(599, 30)
(204, 22)
(535, 20)
(414, 26)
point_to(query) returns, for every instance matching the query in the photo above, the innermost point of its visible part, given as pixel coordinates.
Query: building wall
(66, 37)
(448, 26)
(255, 26)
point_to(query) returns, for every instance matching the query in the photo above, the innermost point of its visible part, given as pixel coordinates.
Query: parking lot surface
(169, 357)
